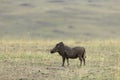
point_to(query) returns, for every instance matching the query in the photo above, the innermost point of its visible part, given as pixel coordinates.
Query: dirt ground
(26, 70)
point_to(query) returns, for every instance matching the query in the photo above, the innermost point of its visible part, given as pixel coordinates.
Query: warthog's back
(79, 50)
(74, 52)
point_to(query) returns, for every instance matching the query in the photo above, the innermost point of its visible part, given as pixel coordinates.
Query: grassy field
(60, 18)
(30, 60)
(30, 28)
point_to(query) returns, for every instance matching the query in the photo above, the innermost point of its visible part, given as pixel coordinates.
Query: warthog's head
(58, 48)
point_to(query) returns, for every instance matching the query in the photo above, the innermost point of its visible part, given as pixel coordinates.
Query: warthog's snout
(51, 51)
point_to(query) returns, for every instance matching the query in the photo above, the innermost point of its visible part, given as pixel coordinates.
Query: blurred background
(60, 19)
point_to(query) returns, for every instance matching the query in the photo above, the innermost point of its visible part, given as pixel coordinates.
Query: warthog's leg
(80, 61)
(84, 56)
(84, 61)
(68, 61)
(63, 59)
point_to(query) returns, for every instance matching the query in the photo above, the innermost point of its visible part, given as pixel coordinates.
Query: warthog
(67, 52)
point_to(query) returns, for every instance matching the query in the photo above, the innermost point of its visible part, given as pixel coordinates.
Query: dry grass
(31, 60)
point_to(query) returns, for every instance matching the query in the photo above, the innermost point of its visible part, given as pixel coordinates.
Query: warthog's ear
(61, 43)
